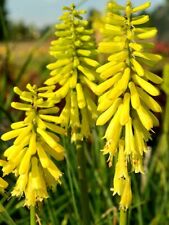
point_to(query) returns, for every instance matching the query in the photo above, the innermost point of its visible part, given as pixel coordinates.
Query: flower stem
(84, 198)
(123, 217)
(32, 216)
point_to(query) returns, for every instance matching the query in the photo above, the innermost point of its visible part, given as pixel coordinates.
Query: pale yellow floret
(24, 137)
(18, 125)
(85, 127)
(25, 163)
(106, 116)
(148, 56)
(135, 100)
(152, 90)
(87, 72)
(145, 118)
(73, 79)
(20, 185)
(129, 138)
(139, 137)
(112, 70)
(140, 20)
(110, 47)
(32, 143)
(47, 138)
(114, 29)
(3, 184)
(12, 134)
(88, 61)
(136, 46)
(126, 197)
(80, 96)
(92, 86)
(91, 105)
(105, 67)
(59, 63)
(74, 111)
(114, 126)
(105, 85)
(147, 35)
(141, 7)
(149, 101)
(153, 77)
(125, 111)
(119, 56)
(137, 67)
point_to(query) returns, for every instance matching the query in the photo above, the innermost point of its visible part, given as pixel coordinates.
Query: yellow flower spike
(74, 70)
(126, 76)
(35, 145)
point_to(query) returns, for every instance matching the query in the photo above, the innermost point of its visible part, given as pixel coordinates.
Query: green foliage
(3, 19)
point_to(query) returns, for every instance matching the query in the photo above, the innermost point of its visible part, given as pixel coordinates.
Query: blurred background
(24, 23)
(26, 29)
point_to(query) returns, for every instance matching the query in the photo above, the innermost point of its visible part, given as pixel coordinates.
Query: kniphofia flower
(74, 70)
(126, 92)
(35, 146)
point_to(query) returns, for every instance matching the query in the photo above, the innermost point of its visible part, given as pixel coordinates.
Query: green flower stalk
(126, 93)
(74, 71)
(35, 145)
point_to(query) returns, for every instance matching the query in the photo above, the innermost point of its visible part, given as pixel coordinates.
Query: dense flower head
(74, 71)
(126, 92)
(35, 146)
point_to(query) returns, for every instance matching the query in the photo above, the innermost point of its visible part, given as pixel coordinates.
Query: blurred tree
(3, 18)
(160, 19)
